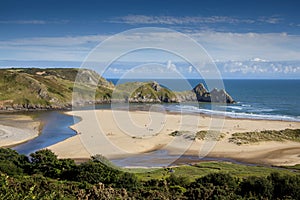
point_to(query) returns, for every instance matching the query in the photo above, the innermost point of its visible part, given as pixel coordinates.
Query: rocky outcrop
(220, 96)
(199, 93)
(152, 92)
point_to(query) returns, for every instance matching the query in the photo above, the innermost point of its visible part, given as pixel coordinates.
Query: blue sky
(265, 34)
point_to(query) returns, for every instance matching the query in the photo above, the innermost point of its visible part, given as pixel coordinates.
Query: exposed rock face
(154, 93)
(155, 86)
(200, 94)
(218, 96)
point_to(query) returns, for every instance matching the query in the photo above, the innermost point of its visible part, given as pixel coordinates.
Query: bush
(256, 186)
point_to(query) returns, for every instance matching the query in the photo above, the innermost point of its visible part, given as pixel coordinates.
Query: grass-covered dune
(265, 136)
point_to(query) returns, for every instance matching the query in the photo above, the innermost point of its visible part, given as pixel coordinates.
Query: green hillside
(32, 88)
(144, 92)
(54, 88)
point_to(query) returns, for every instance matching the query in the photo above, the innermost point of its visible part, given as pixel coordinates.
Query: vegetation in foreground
(44, 176)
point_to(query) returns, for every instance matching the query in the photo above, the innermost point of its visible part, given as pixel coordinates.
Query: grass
(204, 168)
(200, 135)
(142, 91)
(268, 135)
(214, 135)
(295, 168)
(33, 86)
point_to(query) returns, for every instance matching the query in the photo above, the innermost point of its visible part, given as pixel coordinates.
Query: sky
(246, 39)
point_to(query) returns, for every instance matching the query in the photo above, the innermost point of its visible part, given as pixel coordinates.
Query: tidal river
(55, 129)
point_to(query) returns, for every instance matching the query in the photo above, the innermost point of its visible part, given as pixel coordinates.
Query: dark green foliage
(47, 177)
(94, 172)
(12, 163)
(45, 162)
(174, 180)
(256, 186)
(128, 181)
(213, 186)
(285, 187)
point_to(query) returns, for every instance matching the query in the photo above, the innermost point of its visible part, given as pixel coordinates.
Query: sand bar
(16, 129)
(121, 133)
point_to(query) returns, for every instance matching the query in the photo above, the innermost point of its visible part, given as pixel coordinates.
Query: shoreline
(16, 129)
(74, 148)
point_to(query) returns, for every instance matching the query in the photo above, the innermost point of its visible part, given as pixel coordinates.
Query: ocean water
(256, 99)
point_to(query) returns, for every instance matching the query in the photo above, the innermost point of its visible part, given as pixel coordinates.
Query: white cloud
(171, 66)
(258, 60)
(256, 69)
(172, 20)
(35, 22)
(190, 69)
(270, 20)
(219, 45)
(244, 46)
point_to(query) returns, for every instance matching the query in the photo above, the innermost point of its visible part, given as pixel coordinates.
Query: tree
(128, 181)
(284, 186)
(94, 172)
(257, 187)
(11, 162)
(45, 162)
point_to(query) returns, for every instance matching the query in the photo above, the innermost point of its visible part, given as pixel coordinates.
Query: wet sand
(16, 129)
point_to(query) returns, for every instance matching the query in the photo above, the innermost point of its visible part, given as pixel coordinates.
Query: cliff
(140, 92)
(33, 88)
(152, 92)
(199, 93)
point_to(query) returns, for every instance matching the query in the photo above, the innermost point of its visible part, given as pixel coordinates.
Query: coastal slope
(34, 88)
(54, 88)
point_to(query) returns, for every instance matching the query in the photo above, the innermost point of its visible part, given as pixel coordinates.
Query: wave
(233, 107)
(232, 114)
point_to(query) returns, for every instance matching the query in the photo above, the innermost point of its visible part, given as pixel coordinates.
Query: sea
(255, 99)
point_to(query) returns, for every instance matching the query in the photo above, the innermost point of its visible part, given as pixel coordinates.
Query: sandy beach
(16, 129)
(116, 133)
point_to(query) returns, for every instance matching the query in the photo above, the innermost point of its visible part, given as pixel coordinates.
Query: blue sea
(256, 99)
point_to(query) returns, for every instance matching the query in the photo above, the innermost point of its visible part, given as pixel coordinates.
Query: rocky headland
(26, 89)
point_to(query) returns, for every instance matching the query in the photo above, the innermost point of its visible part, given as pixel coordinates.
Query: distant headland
(25, 89)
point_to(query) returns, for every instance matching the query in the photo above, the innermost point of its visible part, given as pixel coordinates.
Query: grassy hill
(32, 88)
(54, 88)
(144, 92)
